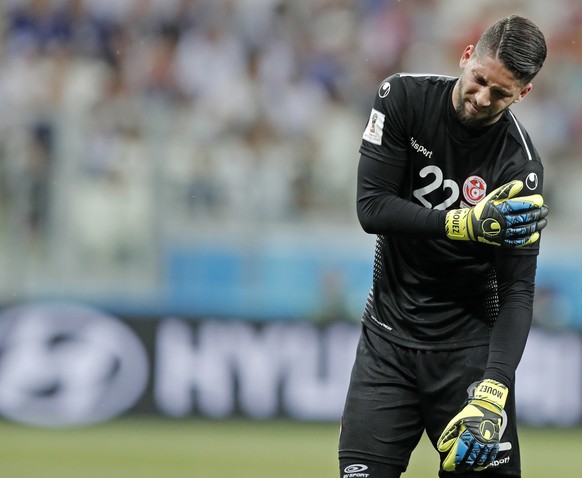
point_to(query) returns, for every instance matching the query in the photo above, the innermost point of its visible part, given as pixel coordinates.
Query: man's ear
(466, 56)
(524, 92)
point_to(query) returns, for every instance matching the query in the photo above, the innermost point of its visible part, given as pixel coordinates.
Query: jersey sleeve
(382, 211)
(384, 137)
(516, 272)
(516, 281)
(382, 169)
(531, 173)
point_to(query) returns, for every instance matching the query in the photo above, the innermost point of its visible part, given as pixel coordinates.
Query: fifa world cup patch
(375, 127)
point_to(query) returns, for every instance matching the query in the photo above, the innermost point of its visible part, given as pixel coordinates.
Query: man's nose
(483, 98)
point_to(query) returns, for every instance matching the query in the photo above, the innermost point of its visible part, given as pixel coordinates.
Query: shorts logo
(384, 89)
(355, 471)
(375, 127)
(474, 189)
(531, 181)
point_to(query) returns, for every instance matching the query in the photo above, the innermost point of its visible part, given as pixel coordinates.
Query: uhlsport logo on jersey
(531, 181)
(355, 471)
(384, 89)
(64, 365)
(474, 189)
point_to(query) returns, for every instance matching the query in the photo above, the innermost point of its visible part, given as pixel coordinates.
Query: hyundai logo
(65, 365)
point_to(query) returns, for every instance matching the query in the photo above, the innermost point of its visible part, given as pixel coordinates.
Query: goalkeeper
(451, 185)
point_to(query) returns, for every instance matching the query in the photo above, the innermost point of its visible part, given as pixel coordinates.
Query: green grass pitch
(155, 448)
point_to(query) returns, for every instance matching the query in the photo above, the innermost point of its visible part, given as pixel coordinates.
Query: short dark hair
(518, 43)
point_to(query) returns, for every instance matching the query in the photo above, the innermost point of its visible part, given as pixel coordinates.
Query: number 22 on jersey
(437, 181)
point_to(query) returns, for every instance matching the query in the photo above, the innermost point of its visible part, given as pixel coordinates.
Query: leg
(381, 424)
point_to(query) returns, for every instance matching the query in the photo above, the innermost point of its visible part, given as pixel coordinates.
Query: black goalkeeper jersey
(428, 291)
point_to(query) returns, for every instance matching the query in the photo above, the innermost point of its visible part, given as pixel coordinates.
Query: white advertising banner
(64, 365)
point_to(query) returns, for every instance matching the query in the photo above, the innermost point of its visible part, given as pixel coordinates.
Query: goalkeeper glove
(500, 218)
(472, 437)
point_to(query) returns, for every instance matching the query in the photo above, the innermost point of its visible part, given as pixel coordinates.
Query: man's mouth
(474, 109)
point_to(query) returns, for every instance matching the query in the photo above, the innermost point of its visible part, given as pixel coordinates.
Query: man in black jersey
(451, 184)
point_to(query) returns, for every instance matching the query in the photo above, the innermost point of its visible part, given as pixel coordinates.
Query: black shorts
(396, 393)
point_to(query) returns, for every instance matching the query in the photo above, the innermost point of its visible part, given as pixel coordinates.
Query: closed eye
(499, 93)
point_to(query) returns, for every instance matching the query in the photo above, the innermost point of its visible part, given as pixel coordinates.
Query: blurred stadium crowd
(129, 122)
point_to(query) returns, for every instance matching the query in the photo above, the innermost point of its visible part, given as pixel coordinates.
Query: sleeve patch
(532, 181)
(375, 127)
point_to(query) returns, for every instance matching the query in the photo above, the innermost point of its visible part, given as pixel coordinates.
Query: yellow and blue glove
(500, 218)
(471, 438)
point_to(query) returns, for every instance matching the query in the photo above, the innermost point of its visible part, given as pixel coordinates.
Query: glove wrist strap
(490, 391)
(457, 224)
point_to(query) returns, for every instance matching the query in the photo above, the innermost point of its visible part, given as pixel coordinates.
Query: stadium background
(178, 240)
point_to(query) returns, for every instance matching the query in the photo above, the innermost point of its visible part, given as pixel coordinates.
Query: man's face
(485, 90)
